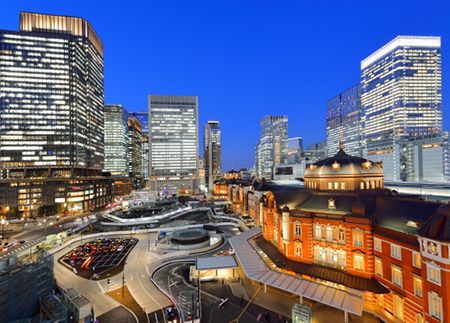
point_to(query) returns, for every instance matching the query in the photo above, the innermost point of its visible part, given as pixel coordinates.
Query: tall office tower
(116, 140)
(295, 149)
(400, 97)
(145, 164)
(272, 145)
(212, 153)
(173, 144)
(135, 151)
(51, 107)
(344, 120)
(143, 119)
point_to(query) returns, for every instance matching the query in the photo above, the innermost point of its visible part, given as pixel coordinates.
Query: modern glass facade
(344, 119)
(295, 149)
(272, 147)
(143, 119)
(51, 96)
(212, 152)
(401, 97)
(135, 150)
(173, 143)
(116, 140)
(51, 115)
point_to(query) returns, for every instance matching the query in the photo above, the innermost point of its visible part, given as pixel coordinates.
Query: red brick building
(345, 229)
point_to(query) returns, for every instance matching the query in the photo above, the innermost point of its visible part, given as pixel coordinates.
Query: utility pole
(123, 282)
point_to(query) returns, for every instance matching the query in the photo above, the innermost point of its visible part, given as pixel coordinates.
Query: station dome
(344, 172)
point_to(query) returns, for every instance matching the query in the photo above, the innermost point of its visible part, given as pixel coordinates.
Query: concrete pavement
(138, 269)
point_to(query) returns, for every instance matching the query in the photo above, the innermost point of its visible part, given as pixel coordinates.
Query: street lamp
(3, 228)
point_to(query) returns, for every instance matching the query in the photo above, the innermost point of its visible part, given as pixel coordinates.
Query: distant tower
(212, 152)
(272, 148)
(173, 144)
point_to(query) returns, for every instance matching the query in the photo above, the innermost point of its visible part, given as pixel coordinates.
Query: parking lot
(97, 258)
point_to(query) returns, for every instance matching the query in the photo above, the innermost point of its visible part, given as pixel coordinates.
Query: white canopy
(256, 269)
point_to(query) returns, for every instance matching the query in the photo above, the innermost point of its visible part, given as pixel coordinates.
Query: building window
(396, 276)
(417, 282)
(275, 236)
(330, 185)
(419, 318)
(398, 307)
(358, 262)
(329, 233)
(331, 204)
(298, 229)
(434, 274)
(318, 231)
(377, 244)
(416, 259)
(396, 252)
(343, 186)
(341, 235)
(358, 236)
(378, 267)
(336, 185)
(435, 305)
(298, 249)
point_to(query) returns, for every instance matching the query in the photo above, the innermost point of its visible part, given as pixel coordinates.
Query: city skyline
(269, 42)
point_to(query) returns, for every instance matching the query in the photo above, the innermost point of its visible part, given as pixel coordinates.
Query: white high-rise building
(173, 144)
(116, 140)
(400, 97)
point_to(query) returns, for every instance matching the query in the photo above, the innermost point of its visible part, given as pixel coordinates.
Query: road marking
(101, 287)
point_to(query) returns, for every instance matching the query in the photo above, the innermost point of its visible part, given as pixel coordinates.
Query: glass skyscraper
(295, 149)
(212, 152)
(51, 96)
(51, 114)
(135, 150)
(173, 144)
(400, 97)
(272, 146)
(344, 120)
(116, 140)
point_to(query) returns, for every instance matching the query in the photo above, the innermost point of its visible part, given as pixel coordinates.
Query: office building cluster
(393, 116)
(62, 149)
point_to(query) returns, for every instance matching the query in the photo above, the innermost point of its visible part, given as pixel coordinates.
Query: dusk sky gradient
(244, 59)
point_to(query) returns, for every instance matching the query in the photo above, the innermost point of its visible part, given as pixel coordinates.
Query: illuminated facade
(271, 149)
(116, 140)
(425, 159)
(135, 150)
(345, 234)
(143, 119)
(212, 152)
(294, 150)
(51, 107)
(173, 144)
(344, 120)
(401, 96)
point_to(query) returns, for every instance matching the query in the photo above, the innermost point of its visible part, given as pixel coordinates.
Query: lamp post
(3, 228)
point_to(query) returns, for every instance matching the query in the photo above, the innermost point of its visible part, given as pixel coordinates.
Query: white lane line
(140, 283)
(101, 287)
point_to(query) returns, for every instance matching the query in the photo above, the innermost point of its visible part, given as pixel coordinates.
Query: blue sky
(244, 59)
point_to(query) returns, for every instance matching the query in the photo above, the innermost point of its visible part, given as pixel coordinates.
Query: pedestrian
(223, 282)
